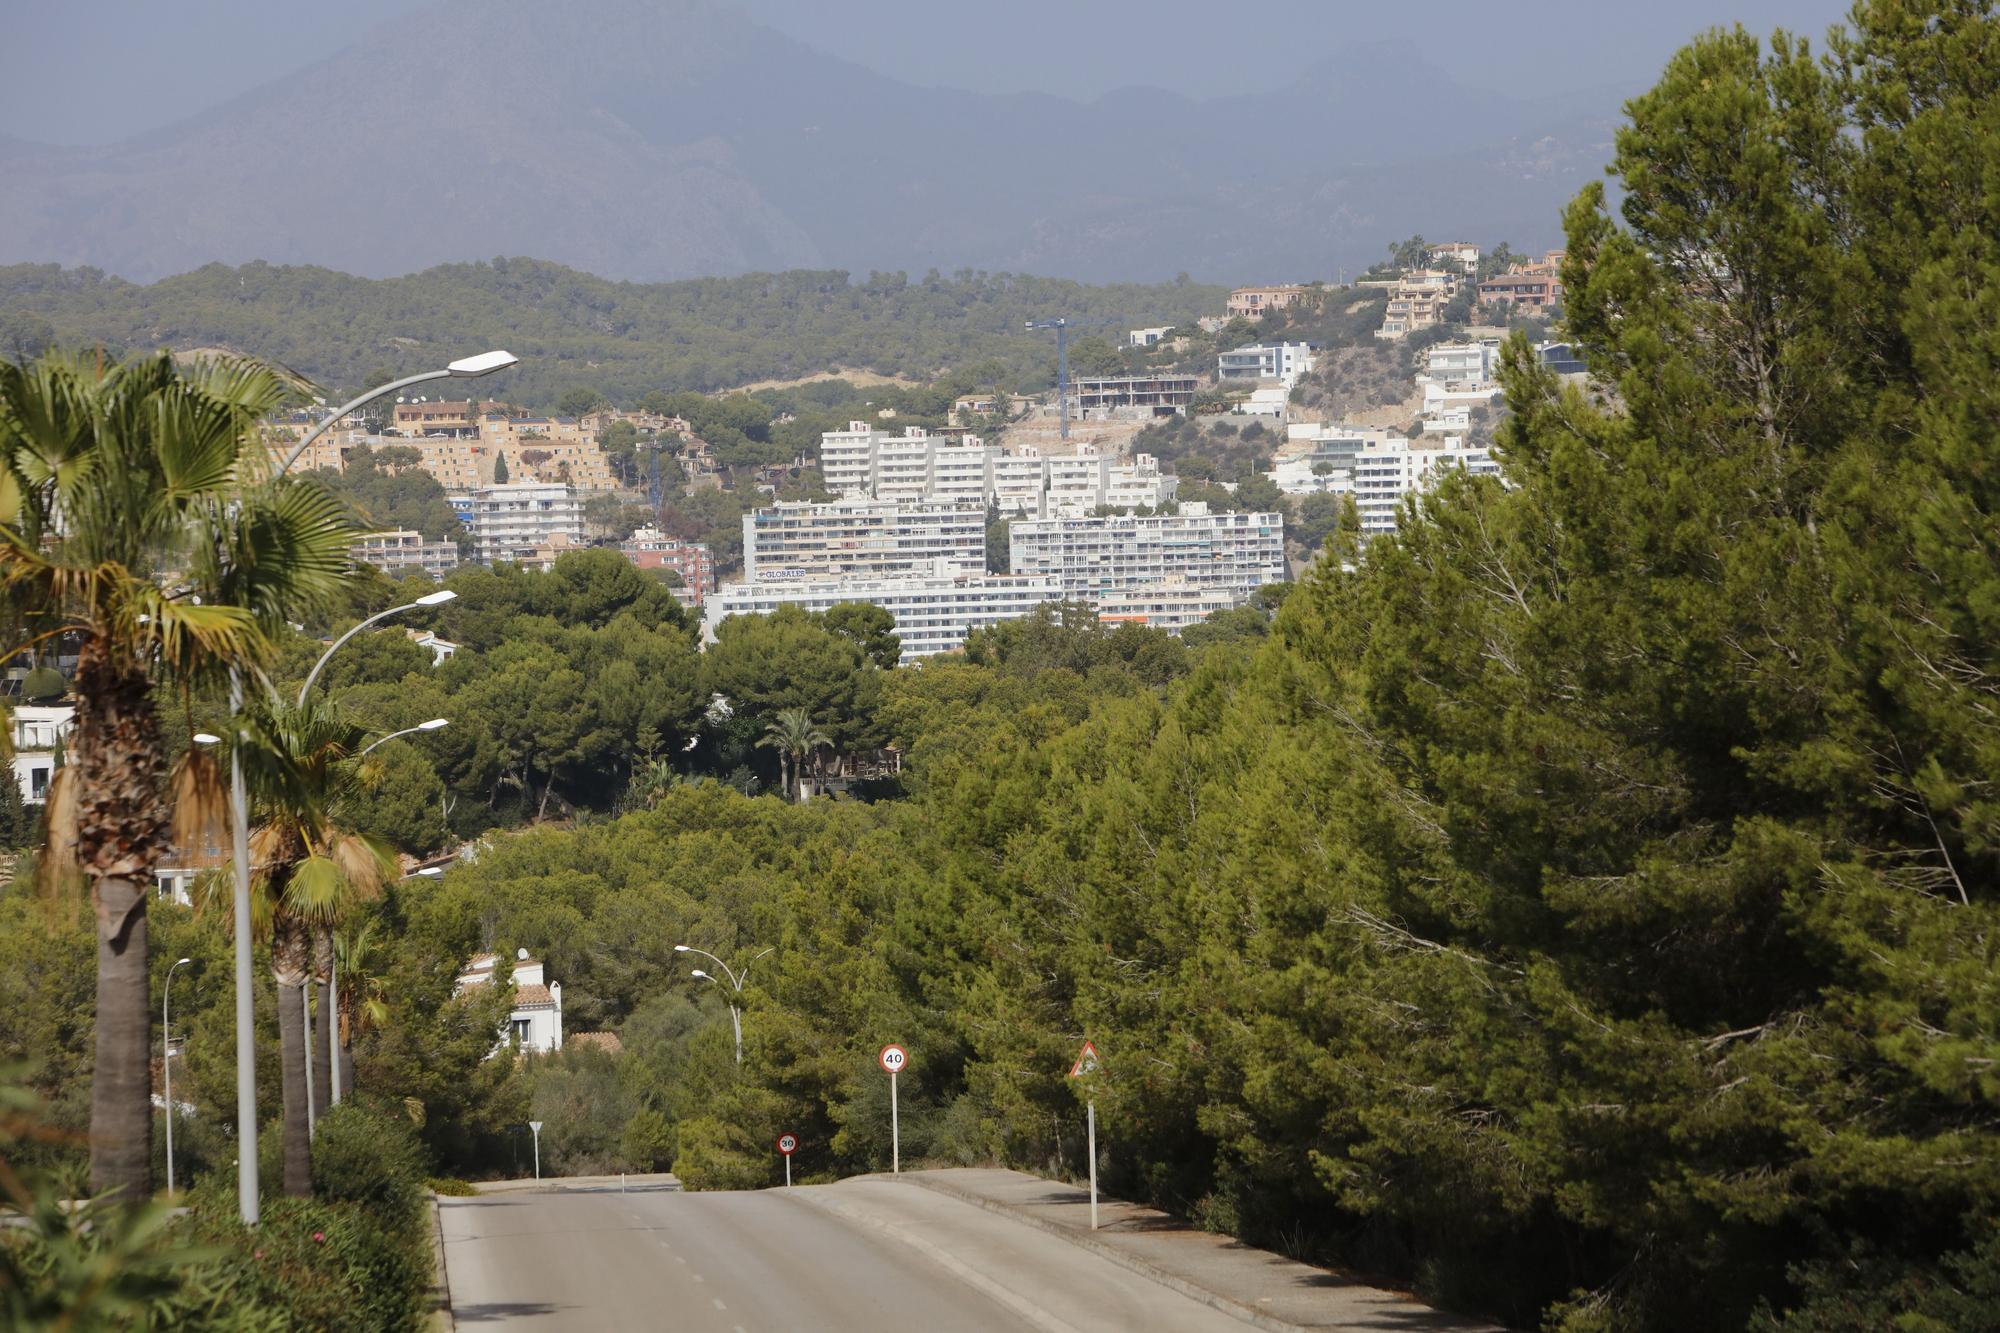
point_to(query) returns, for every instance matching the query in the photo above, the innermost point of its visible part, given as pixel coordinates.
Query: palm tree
(299, 760)
(138, 523)
(362, 1003)
(792, 734)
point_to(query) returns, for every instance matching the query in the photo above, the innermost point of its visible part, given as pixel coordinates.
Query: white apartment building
(847, 458)
(514, 522)
(536, 1021)
(1094, 557)
(1138, 484)
(1448, 419)
(917, 467)
(1147, 337)
(1283, 362)
(1462, 363)
(934, 610)
(38, 730)
(961, 473)
(1385, 474)
(1171, 604)
(1021, 483)
(861, 537)
(405, 548)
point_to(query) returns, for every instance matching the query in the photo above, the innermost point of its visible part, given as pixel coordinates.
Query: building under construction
(1157, 394)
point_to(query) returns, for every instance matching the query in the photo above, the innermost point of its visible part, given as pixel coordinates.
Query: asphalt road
(869, 1254)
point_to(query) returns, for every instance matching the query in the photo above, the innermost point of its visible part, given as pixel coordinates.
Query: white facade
(511, 522)
(1094, 557)
(861, 537)
(1021, 483)
(536, 1021)
(1171, 604)
(1264, 403)
(1147, 337)
(961, 473)
(38, 730)
(1448, 420)
(1283, 362)
(1384, 475)
(933, 611)
(1461, 363)
(847, 458)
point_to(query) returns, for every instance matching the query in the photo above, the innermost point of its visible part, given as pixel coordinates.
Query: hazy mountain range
(663, 139)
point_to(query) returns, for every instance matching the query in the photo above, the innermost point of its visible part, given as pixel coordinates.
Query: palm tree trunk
(121, 1093)
(290, 950)
(117, 765)
(322, 1040)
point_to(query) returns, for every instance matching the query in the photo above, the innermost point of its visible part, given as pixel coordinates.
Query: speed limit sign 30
(893, 1058)
(788, 1144)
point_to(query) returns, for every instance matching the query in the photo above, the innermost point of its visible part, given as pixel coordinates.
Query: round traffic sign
(893, 1058)
(788, 1144)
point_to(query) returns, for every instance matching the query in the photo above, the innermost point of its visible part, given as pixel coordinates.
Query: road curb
(1194, 1291)
(441, 1315)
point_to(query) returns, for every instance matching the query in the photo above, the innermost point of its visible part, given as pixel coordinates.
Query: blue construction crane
(1061, 325)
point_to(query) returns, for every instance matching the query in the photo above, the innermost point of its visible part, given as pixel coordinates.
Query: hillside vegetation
(623, 339)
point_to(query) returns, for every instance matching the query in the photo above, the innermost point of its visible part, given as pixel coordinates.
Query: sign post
(787, 1145)
(536, 1125)
(892, 1060)
(1086, 1063)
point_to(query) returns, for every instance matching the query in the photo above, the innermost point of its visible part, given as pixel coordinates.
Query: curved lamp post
(435, 724)
(736, 983)
(438, 598)
(246, 1035)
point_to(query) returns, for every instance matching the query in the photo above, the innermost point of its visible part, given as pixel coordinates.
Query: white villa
(536, 1022)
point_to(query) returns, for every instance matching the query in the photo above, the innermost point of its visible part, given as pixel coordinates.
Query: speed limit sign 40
(893, 1058)
(788, 1144)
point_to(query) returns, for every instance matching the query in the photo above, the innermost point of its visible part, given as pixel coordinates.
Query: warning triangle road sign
(1086, 1061)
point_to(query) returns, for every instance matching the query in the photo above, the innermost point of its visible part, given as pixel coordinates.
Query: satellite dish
(521, 954)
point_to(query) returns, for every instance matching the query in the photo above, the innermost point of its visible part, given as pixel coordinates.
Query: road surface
(869, 1254)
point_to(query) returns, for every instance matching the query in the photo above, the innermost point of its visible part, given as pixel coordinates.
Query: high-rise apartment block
(1096, 557)
(1386, 473)
(516, 522)
(934, 609)
(918, 467)
(855, 537)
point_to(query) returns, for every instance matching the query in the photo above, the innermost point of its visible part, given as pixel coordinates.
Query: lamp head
(184, 962)
(698, 973)
(204, 738)
(435, 724)
(485, 363)
(438, 598)
(680, 948)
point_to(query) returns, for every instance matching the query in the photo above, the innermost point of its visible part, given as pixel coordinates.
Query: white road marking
(719, 1305)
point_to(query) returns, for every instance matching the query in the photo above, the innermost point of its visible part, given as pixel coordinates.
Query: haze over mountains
(663, 139)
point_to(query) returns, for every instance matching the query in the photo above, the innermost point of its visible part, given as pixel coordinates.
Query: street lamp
(736, 983)
(246, 1036)
(435, 724)
(438, 598)
(167, 1064)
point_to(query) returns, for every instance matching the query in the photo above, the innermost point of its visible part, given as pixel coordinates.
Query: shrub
(374, 1160)
(451, 1187)
(322, 1265)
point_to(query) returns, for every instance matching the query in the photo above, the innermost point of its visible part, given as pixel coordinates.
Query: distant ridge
(570, 328)
(663, 139)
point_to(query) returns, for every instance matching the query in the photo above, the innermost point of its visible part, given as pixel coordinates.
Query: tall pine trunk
(290, 953)
(116, 767)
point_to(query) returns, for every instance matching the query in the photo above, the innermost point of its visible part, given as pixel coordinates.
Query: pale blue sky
(94, 71)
